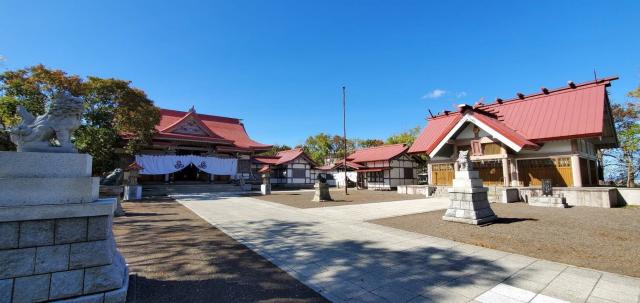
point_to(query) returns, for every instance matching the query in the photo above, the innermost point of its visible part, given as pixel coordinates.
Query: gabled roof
(574, 111)
(283, 157)
(337, 164)
(378, 153)
(221, 130)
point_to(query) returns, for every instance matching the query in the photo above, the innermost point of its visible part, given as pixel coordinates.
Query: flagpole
(344, 138)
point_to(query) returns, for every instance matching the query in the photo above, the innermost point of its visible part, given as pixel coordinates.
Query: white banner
(166, 164)
(339, 177)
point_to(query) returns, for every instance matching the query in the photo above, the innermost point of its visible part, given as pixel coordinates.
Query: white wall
(394, 176)
(467, 133)
(551, 147)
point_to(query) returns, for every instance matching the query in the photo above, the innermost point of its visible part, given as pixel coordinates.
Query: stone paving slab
(345, 259)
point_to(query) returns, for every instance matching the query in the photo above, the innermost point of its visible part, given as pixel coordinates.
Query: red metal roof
(574, 111)
(266, 160)
(222, 130)
(378, 153)
(283, 157)
(367, 170)
(504, 130)
(340, 163)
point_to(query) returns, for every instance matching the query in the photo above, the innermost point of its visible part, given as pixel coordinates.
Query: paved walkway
(335, 252)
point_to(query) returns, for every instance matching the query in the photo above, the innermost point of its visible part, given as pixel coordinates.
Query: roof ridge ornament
(192, 109)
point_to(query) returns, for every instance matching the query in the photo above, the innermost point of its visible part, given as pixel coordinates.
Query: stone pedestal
(132, 192)
(113, 191)
(265, 189)
(56, 241)
(548, 201)
(322, 192)
(468, 200)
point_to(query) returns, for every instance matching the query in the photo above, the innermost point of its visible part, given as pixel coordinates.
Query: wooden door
(490, 172)
(442, 174)
(532, 171)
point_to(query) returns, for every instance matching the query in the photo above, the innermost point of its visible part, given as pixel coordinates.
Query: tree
(624, 162)
(318, 147)
(113, 110)
(275, 149)
(407, 137)
(366, 143)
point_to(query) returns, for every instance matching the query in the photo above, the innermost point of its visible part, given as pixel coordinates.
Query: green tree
(366, 143)
(319, 147)
(275, 149)
(407, 137)
(337, 145)
(624, 162)
(113, 110)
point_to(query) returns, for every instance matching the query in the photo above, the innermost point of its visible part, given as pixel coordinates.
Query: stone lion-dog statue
(464, 161)
(37, 134)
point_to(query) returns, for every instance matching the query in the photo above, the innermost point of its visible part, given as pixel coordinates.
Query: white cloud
(435, 94)
(461, 95)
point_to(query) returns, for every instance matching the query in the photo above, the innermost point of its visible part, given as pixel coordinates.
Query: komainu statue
(37, 134)
(464, 161)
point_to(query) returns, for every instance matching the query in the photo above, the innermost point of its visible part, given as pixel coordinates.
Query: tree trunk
(630, 174)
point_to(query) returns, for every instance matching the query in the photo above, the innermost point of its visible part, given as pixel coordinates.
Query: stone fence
(578, 196)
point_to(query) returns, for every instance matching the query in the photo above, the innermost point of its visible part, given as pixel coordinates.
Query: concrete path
(335, 252)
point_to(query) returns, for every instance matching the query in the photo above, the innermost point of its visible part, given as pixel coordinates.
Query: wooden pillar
(589, 173)
(506, 172)
(597, 172)
(515, 174)
(575, 171)
(454, 157)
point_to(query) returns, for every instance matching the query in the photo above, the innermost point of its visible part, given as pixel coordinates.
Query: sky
(280, 65)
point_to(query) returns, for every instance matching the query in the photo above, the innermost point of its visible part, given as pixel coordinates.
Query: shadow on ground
(178, 257)
(349, 270)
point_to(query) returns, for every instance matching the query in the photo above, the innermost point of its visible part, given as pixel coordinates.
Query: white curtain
(339, 177)
(160, 165)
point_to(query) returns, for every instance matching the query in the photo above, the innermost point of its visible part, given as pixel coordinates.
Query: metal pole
(344, 138)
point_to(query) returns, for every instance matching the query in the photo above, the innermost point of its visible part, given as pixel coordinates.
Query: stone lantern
(132, 191)
(265, 187)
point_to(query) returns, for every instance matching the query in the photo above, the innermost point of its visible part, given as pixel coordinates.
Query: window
(244, 166)
(376, 176)
(408, 173)
(299, 173)
(278, 173)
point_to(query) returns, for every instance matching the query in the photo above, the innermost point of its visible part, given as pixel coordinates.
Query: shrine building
(194, 147)
(554, 134)
(383, 167)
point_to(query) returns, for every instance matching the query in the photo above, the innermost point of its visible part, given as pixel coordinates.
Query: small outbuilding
(289, 168)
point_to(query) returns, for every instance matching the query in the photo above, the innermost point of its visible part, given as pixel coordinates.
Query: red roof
(221, 130)
(574, 111)
(378, 153)
(283, 157)
(266, 160)
(340, 163)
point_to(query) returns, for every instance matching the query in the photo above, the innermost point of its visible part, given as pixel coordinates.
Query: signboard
(547, 189)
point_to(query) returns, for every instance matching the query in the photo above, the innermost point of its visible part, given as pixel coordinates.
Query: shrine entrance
(190, 174)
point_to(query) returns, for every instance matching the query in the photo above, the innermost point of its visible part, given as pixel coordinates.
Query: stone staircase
(152, 190)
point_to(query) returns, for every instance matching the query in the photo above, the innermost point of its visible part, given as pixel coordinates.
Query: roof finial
(192, 109)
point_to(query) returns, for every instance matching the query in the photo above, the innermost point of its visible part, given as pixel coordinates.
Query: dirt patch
(179, 257)
(598, 238)
(302, 199)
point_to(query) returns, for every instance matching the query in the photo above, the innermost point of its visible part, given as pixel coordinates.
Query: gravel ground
(598, 238)
(179, 257)
(302, 199)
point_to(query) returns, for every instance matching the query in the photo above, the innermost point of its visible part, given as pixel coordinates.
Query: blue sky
(280, 65)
